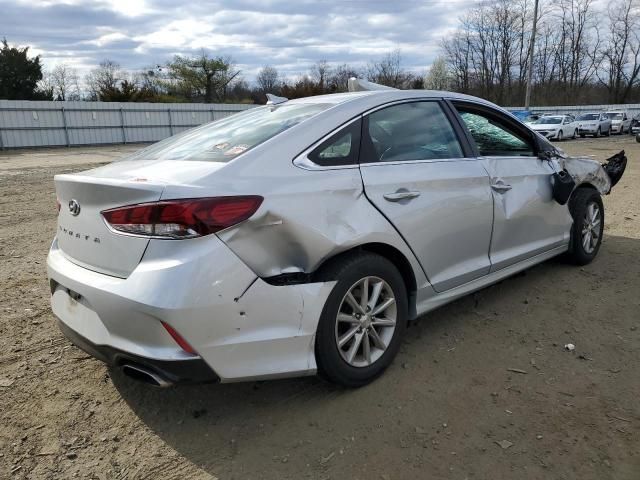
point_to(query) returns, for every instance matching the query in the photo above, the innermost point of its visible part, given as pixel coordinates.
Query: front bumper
(550, 134)
(587, 130)
(241, 327)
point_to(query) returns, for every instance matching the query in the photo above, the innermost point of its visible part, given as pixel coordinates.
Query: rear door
(527, 220)
(416, 172)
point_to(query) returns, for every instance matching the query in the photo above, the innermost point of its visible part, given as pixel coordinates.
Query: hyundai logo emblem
(74, 207)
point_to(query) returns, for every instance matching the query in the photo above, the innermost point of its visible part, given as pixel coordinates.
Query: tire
(582, 251)
(559, 137)
(575, 134)
(350, 273)
(608, 134)
(598, 133)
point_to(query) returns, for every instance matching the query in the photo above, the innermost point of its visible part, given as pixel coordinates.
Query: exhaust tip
(144, 375)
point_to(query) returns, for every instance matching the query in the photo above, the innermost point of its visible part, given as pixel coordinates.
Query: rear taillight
(185, 218)
(182, 343)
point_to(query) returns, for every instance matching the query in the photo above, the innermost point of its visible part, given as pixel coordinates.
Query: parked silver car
(595, 124)
(301, 236)
(620, 122)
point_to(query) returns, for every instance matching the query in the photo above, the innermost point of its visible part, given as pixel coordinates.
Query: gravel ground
(449, 407)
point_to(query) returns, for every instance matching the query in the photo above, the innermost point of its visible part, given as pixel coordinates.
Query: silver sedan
(301, 236)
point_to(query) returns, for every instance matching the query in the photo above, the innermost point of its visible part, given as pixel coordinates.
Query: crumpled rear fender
(309, 220)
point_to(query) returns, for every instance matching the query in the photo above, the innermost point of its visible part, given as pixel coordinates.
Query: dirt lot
(448, 408)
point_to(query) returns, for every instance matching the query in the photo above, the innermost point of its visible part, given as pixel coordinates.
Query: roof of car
(336, 98)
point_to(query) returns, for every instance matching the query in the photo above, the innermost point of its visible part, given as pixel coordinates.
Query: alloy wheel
(366, 321)
(591, 228)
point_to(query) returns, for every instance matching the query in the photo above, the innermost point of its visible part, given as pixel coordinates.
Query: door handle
(400, 195)
(501, 187)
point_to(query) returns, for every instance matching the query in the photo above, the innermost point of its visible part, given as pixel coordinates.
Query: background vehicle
(620, 122)
(595, 124)
(298, 236)
(556, 127)
(635, 124)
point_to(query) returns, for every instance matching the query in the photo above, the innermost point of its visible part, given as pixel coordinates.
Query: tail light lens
(184, 218)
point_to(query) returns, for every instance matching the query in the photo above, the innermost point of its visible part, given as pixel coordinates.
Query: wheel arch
(391, 253)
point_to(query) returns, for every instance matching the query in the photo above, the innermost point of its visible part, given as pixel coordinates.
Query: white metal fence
(40, 124)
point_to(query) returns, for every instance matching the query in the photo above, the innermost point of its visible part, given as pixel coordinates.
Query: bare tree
(320, 73)
(268, 79)
(103, 81)
(621, 50)
(388, 71)
(339, 77)
(64, 81)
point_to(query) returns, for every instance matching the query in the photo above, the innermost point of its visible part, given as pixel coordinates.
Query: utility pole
(532, 46)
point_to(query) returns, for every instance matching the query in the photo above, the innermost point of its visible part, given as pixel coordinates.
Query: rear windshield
(589, 116)
(548, 120)
(225, 139)
(614, 116)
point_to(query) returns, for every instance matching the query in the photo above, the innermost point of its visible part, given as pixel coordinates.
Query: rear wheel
(363, 321)
(587, 211)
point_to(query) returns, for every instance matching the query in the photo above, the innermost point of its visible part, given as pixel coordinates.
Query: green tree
(19, 74)
(202, 77)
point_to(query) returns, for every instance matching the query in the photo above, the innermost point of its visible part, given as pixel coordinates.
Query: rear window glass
(225, 139)
(548, 120)
(589, 116)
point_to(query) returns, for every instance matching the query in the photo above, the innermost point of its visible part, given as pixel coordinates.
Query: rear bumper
(194, 370)
(240, 326)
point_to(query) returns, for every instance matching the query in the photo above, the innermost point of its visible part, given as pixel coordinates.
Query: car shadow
(218, 427)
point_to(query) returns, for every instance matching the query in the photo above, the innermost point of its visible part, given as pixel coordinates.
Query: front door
(415, 172)
(527, 220)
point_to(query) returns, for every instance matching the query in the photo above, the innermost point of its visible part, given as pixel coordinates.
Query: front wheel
(587, 211)
(575, 134)
(597, 135)
(363, 321)
(608, 134)
(560, 136)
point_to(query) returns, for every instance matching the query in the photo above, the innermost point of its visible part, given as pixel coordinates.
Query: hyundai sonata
(301, 236)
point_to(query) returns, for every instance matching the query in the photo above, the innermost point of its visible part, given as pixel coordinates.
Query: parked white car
(620, 122)
(556, 127)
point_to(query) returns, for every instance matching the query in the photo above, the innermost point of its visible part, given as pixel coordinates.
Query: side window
(409, 131)
(495, 138)
(340, 149)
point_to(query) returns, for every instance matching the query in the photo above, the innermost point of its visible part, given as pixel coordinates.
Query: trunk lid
(83, 235)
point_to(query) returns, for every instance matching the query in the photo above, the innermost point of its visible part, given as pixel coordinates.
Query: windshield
(589, 116)
(225, 139)
(548, 120)
(614, 116)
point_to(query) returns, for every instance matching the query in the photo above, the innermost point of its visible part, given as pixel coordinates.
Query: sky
(289, 35)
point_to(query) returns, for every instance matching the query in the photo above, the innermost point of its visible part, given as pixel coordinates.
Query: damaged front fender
(588, 171)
